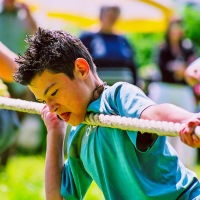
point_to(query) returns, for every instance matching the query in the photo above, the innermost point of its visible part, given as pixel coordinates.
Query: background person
(192, 77)
(112, 52)
(192, 73)
(18, 22)
(7, 63)
(174, 55)
(9, 121)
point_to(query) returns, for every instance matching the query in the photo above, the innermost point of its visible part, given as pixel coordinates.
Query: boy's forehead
(45, 76)
(41, 83)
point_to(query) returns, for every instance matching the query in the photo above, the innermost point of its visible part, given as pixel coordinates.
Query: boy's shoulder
(124, 86)
(122, 90)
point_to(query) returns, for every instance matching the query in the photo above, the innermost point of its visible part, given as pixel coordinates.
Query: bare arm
(172, 113)
(54, 154)
(192, 73)
(166, 112)
(29, 21)
(7, 63)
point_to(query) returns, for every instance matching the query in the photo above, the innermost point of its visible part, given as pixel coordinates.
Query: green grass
(23, 178)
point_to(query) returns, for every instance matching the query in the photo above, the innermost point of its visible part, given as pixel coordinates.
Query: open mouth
(65, 116)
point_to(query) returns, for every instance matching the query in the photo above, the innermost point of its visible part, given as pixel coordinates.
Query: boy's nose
(52, 107)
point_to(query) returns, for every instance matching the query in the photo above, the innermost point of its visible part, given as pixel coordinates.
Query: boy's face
(67, 98)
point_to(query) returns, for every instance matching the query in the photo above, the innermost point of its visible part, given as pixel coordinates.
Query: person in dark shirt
(174, 55)
(112, 52)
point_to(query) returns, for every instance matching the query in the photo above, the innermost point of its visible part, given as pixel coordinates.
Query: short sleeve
(130, 100)
(75, 180)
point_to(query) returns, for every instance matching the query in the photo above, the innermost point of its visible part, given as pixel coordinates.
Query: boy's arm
(54, 154)
(172, 113)
(7, 63)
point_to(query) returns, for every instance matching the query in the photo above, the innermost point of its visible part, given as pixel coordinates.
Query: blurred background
(143, 22)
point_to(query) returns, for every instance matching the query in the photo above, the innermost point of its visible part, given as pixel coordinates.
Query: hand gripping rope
(112, 121)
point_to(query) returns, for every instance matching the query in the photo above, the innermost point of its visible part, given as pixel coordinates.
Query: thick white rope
(134, 124)
(20, 105)
(112, 121)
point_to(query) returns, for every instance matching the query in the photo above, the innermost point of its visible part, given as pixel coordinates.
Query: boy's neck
(98, 90)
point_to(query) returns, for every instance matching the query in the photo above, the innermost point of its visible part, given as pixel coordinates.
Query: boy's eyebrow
(39, 100)
(48, 88)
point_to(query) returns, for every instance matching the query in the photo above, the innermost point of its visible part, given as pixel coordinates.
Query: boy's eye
(54, 93)
(41, 101)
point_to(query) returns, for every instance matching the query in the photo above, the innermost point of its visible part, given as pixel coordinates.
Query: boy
(126, 165)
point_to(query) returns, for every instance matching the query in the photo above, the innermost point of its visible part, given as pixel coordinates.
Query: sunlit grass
(23, 178)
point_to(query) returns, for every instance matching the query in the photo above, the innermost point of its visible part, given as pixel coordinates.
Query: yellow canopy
(136, 15)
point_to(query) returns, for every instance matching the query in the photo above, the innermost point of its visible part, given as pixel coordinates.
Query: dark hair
(105, 8)
(172, 22)
(53, 50)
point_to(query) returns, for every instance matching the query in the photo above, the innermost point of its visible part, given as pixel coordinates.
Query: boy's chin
(74, 122)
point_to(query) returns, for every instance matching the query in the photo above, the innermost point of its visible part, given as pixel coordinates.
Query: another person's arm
(172, 113)
(7, 63)
(29, 21)
(54, 154)
(192, 73)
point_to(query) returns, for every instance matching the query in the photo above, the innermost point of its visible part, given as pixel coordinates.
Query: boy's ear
(81, 68)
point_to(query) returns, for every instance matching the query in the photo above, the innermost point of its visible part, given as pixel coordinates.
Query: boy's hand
(56, 129)
(187, 134)
(52, 122)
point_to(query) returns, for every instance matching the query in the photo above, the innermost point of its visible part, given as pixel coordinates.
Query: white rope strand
(111, 121)
(20, 105)
(134, 124)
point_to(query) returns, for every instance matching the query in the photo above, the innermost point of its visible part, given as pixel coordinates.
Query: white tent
(136, 15)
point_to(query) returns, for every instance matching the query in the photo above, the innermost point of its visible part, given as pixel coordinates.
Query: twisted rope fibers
(111, 121)
(20, 105)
